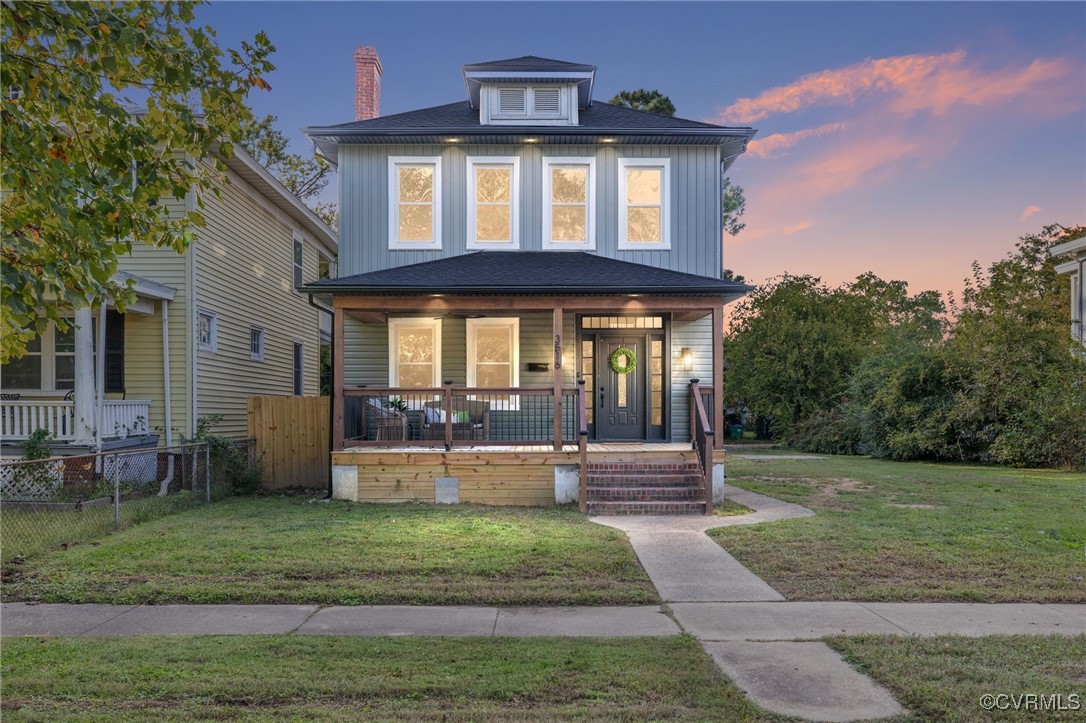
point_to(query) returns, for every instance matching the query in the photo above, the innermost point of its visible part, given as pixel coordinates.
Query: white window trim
(394, 242)
(590, 235)
(473, 326)
(257, 356)
(394, 326)
(298, 391)
(47, 354)
(213, 347)
(474, 162)
(665, 204)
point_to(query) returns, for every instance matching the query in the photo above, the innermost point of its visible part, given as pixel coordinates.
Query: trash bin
(736, 431)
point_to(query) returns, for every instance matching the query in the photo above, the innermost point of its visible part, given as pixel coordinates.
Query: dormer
(529, 91)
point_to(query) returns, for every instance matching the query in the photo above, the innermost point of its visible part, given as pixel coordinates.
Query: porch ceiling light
(686, 359)
(531, 140)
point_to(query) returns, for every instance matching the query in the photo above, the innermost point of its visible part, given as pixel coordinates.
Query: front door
(620, 395)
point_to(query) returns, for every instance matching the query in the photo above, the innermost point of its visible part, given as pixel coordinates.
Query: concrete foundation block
(345, 482)
(718, 483)
(567, 483)
(447, 490)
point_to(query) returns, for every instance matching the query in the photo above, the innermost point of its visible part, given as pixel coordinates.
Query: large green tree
(653, 101)
(104, 106)
(304, 177)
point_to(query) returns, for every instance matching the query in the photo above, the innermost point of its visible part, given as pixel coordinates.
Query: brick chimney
(367, 83)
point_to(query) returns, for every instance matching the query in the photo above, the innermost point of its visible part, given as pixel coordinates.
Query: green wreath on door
(616, 360)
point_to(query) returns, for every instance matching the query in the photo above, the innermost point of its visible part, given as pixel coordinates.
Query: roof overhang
(269, 186)
(1075, 249)
(144, 287)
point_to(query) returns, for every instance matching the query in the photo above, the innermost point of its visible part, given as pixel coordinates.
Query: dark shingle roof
(529, 272)
(529, 63)
(461, 117)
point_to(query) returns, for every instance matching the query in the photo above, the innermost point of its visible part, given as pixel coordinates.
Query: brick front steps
(645, 488)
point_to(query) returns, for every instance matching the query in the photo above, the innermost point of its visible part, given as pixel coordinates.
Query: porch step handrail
(702, 439)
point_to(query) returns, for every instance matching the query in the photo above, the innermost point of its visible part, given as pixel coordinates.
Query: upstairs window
(644, 199)
(415, 198)
(493, 211)
(299, 258)
(545, 104)
(569, 214)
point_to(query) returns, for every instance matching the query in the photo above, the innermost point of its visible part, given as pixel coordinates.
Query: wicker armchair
(476, 426)
(390, 423)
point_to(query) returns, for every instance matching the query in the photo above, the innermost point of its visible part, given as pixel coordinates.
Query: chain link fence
(49, 503)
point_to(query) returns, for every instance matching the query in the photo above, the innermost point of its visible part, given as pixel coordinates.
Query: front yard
(291, 550)
(914, 531)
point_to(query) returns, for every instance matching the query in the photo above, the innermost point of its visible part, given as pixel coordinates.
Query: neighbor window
(299, 257)
(256, 343)
(415, 200)
(206, 331)
(49, 363)
(494, 357)
(644, 197)
(299, 364)
(414, 353)
(26, 371)
(493, 202)
(569, 217)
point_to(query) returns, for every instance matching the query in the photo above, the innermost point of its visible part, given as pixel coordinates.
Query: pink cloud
(1029, 211)
(801, 226)
(918, 82)
(770, 146)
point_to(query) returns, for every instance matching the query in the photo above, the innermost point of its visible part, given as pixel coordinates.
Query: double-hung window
(644, 193)
(414, 353)
(207, 331)
(569, 212)
(414, 219)
(493, 211)
(494, 357)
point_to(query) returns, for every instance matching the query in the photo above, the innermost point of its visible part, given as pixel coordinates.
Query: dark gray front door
(620, 398)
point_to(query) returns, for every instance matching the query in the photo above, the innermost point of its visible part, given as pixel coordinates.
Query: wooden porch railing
(451, 416)
(702, 439)
(120, 418)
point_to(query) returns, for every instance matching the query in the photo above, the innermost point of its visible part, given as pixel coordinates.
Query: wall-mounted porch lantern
(686, 359)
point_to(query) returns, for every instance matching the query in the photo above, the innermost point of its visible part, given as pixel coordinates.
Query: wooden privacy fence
(291, 440)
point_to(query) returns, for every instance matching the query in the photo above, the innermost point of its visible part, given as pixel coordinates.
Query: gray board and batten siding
(696, 244)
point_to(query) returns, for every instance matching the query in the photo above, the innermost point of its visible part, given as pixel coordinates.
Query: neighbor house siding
(696, 243)
(244, 274)
(143, 363)
(698, 337)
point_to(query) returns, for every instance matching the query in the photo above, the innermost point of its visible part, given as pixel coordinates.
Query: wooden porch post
(337, 379)
(556, 326)
(718, 376)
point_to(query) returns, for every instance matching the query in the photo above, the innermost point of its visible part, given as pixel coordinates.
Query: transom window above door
(569, 207)
(493, 212)
(414, 218)
(644, 221)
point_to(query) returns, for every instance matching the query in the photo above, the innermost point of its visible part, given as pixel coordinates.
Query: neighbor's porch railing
(120, 417)
(452, 417)
(702, 438)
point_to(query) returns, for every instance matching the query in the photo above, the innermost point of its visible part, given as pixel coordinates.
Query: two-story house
(215, 325)
(529, 281)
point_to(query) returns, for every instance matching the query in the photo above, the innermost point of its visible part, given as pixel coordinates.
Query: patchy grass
(915, 531)
(289, 550)
(730, 508)
(318, 678)
(943, 678)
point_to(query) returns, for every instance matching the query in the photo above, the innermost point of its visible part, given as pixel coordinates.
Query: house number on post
(557, 351)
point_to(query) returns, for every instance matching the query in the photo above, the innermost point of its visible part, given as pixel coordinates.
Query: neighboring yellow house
(211, 327)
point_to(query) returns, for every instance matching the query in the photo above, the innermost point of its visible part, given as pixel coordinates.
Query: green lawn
(943, 678)
(290, 550)
(310, 678)
(915, 531)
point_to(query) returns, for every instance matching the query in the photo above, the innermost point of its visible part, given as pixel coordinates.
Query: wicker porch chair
(477, 425)
(391, 423)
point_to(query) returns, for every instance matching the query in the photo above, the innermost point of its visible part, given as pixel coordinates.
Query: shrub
(245, 476)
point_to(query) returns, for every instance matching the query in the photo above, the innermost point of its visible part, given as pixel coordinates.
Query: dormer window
(545, 104)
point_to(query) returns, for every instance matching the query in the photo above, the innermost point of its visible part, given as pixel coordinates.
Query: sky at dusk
(905, 139)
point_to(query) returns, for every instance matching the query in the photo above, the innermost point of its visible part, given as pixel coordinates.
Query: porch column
(84, 411)
(337, 379)
(556, 325)
(718, 376)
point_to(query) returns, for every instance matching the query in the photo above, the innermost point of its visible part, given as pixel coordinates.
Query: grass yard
(312, 678)
(943, 678)
(290, 550)
(915, 531)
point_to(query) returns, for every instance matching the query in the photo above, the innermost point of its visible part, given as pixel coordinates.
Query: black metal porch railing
(453, 417)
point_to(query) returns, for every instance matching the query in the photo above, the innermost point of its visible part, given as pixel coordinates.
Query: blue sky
(907, 139)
